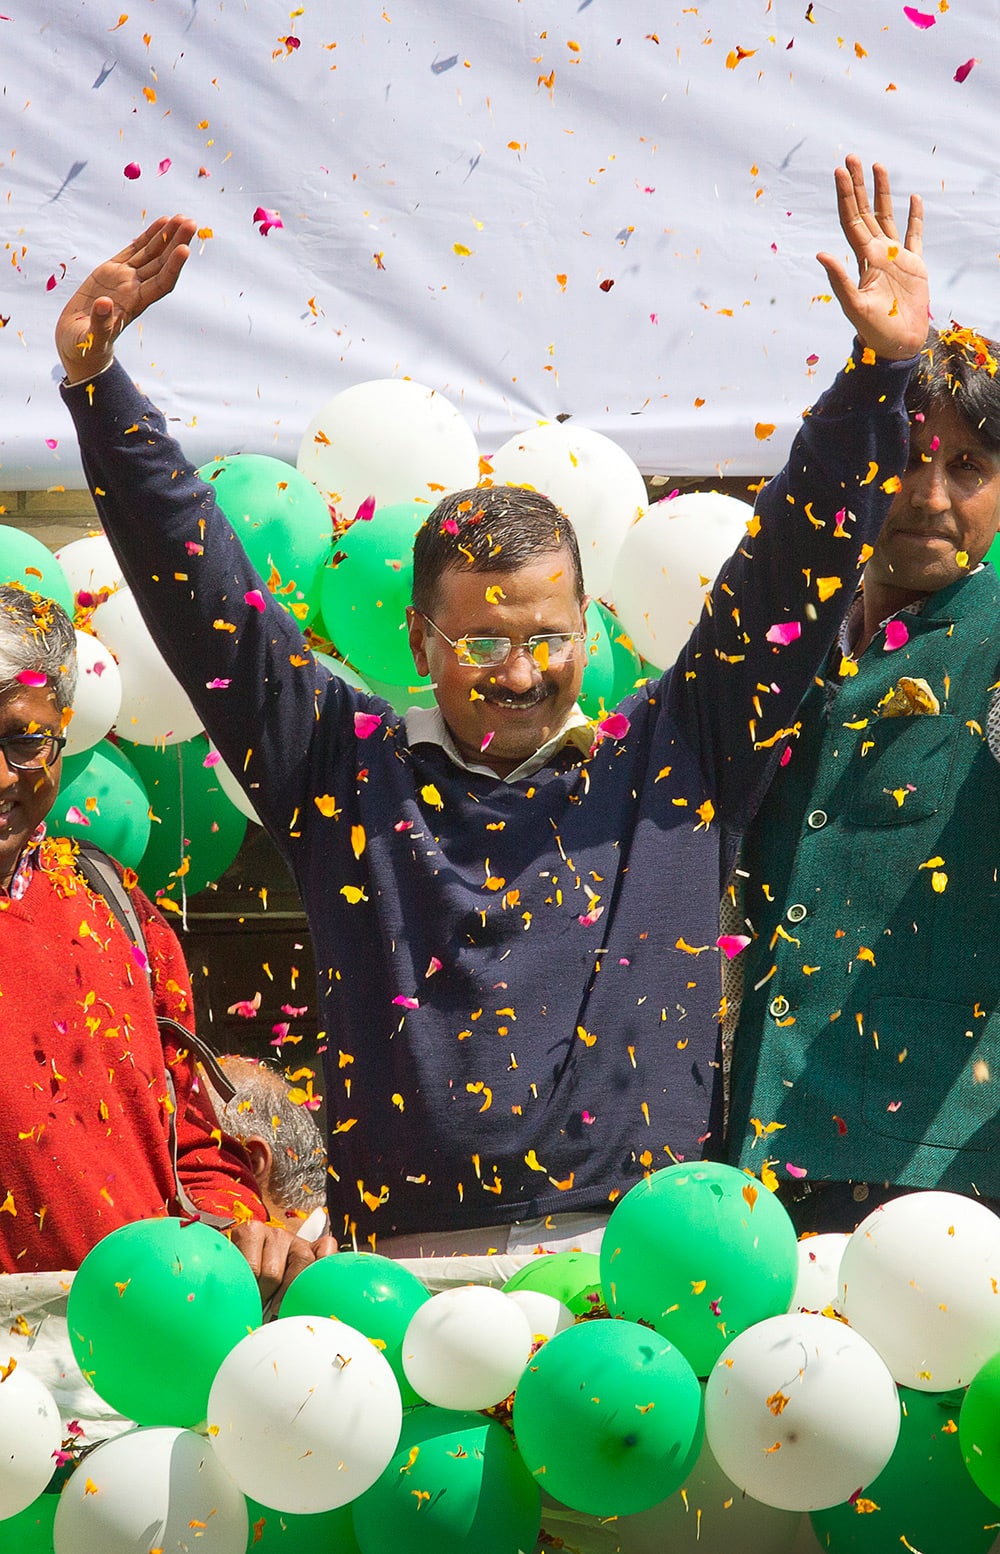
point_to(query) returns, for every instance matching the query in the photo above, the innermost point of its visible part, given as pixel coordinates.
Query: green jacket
(870, 1026)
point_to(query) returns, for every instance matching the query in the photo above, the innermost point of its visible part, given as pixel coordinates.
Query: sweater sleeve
(773, 613)
(212, 1168)
(239, 656)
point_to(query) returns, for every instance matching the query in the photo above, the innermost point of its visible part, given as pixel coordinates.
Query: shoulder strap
(99, 870)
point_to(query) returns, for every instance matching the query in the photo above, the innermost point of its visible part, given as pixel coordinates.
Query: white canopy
(601, 208)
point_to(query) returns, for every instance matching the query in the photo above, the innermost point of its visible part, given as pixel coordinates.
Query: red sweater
(85, 1119)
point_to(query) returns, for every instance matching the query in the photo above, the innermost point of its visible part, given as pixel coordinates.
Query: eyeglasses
(549, 650)
(31, 752)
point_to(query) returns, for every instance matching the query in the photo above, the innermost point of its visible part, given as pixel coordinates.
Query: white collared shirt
(426, 726)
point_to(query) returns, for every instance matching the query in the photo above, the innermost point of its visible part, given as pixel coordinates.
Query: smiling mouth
(522, 703)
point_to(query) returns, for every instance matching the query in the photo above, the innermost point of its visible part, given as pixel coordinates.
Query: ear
(261, 1160)
(416, 628)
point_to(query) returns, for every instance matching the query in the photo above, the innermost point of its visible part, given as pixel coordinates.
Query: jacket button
(796, 913)
(817, 819)
(778, 1007)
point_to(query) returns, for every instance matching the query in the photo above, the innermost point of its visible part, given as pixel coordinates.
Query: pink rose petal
(406, 1003)
(784, 633)
(140, 957)
(132, 170)
(255, 599)
(217, 685)
(293, 1011)
(193, 548)
(588, 919)
(403, 825)
(964, 71)
(731, 944)
(51, 442)
(896, 636)
(212, 758)
(615, 726)
(449, 526)
(76, 817)
(487, 741)
(798, 1171)
(434, 965)
(365, 724)
(31, 677)
(366, 511)
(267, 219)
(786, 756)
(921, 19)
(164, 167)
(587, 1117)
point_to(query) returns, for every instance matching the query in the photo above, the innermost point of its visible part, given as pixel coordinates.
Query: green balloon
(282, 521)
(924, 1494)
(30, 1531)
(370, 1293)
(993, 554)
(364, 596)
(456, 1485)
(612, 664)
(415, 693)
(120, 823)
(572, 1277)
(979, 1428)
(194, 819)
(25, 560)
(608, 1415)
(344, 671)
(699, 1252)
(281, 1532)
(153, 1310)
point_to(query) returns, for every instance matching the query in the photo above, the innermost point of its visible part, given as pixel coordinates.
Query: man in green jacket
(867, 1055)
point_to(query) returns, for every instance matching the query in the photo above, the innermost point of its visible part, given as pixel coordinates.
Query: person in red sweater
(103, 1120)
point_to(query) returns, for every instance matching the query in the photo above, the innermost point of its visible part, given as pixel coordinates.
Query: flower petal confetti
(896, 636)
(921, 19)
(784, 633)
(267, 219)
(365, 724)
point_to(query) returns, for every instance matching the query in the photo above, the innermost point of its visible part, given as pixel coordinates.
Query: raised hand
(117, 292)
(889, 304)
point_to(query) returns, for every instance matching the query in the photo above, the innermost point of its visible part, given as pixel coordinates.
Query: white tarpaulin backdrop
(602, 208)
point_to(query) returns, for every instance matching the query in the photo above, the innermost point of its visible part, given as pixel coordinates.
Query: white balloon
(305, 1414)
(30, 1431)
(90, 565)
(667, 562)
(231, 788)
(818, 1283)
(590, 478)
(546, 1315)
(466, 1347)
(801, 1412)
(920, 1279)
(98, 697)
(390, 439)
(708, 1515)
(158, 1488)
(155, 709)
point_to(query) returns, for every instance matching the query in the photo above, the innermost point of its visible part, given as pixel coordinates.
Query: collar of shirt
(426, 726)
(26, 864)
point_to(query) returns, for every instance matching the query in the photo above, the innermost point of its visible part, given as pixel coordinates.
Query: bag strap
(101, 874)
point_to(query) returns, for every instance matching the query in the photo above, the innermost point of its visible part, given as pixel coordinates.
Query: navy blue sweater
(568, 1041)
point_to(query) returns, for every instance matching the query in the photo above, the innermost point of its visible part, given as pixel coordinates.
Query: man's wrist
(89, 377)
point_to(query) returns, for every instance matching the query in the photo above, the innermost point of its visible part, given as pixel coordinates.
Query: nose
(521, 670)
(929, 492)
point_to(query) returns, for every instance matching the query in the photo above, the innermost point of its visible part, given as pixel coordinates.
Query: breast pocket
(901, 770)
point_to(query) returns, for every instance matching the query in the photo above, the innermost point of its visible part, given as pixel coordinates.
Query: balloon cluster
(675, 1386)
(332, 540)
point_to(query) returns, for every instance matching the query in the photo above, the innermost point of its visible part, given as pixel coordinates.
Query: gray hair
(37, 634)
(262, 1108)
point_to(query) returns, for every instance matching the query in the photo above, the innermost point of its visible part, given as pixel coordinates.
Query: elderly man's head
(37, 683)
(286, 1150)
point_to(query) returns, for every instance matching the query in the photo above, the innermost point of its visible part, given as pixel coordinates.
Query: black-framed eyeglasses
(31, 752)
(549, 649)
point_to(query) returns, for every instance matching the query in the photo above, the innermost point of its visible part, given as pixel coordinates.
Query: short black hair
(958, 368)
(489, 529)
